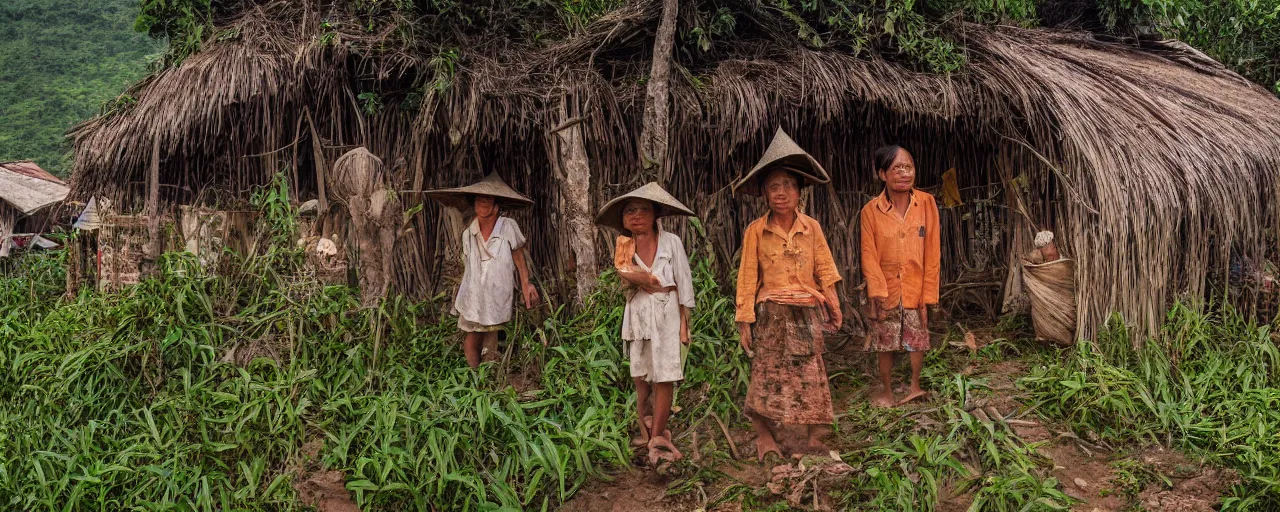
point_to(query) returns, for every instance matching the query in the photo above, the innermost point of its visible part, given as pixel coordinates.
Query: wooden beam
(151, 251)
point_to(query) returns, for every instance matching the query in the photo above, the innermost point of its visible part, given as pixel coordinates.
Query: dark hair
(885, 156)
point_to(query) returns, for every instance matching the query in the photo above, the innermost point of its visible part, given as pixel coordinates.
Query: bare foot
(883, 399)
(661, 449)
(766, 445)
(663, 444)
(913, 395)
(643, 439)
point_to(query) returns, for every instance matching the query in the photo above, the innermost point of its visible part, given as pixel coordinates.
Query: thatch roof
(28, 187)
(1153, 161)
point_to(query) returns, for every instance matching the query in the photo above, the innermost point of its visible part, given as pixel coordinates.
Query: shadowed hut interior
(1153, 163)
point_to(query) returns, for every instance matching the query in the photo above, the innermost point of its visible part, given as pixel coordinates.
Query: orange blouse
(778, 263)
(900, 256)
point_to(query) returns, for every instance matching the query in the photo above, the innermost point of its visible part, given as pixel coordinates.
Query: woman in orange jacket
(900, 253)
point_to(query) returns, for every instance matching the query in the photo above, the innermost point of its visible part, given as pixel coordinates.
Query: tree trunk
(654, 135)
(568, 154)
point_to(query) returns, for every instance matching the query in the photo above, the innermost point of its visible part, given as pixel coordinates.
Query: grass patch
(1208, 384)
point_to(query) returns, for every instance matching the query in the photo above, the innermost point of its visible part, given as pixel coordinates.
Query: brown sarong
(898, 330)
(788, 376)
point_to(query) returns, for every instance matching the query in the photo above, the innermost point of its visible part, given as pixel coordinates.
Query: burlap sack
(1052, 290)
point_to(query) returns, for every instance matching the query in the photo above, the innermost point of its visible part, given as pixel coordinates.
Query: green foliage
(132, 400)
(59, 61)
(370, 103)
(909, 30)
(910, 457)
(183, 23)
(578, 13)
(1209, 384)
(1242, 34)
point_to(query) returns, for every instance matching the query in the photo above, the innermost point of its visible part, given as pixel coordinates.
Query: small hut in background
(28, 199)
(1152, 162)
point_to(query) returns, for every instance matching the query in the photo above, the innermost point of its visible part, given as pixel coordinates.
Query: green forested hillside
(59, 61)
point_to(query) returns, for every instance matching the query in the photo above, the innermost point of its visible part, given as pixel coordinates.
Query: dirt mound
(630, 491)
(326, 491)
(801, 483)
(244, 352)
(1195, 488)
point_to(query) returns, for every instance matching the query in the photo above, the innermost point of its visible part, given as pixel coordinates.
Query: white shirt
(488, 280)
(656, 317)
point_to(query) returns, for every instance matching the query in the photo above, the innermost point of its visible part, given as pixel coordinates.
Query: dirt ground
(325, 491)
(1101, 479)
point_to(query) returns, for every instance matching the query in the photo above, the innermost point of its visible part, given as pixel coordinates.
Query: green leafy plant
(185, 24)
(1208, 384)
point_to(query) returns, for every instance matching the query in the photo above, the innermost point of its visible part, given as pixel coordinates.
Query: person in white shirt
(659, 289)
(493, 254)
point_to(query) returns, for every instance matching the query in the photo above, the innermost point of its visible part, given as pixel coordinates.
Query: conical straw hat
(782, 152)
(664, 206)
(462, 197)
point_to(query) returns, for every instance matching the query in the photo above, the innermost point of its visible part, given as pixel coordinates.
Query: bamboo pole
(151, 251)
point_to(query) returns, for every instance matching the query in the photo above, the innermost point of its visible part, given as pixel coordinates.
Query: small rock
(1081, 483)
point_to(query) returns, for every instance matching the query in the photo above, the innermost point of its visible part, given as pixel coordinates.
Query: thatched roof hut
(1154, 163)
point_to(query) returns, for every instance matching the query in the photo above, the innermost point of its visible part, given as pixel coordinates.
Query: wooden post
(151, 251)
(317, 154)
(568, 155)
(654, 135)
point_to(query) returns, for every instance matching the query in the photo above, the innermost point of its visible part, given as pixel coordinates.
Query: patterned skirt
(788, 376)
(898, 330)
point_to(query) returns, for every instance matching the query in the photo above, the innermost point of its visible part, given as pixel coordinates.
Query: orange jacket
(900, 256)
(774, 262)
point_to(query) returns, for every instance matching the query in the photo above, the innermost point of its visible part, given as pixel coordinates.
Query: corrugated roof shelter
(28, 188)
(25, 189)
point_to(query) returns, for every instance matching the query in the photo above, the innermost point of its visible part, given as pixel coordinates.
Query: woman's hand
(924, 317)
(530, 294)
(744, 334)
(653, 285)
(645, 280)
(684, 326)
(835, 317)
(878, 307)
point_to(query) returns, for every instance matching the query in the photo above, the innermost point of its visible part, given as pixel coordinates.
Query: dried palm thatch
(1153, 163)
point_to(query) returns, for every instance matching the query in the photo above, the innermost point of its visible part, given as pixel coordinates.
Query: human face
(485, 207)
(901, 174)
(638, 216)
(782, 190)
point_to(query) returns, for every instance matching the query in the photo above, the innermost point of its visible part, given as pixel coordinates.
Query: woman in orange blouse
(786, 285)
(900, 253)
